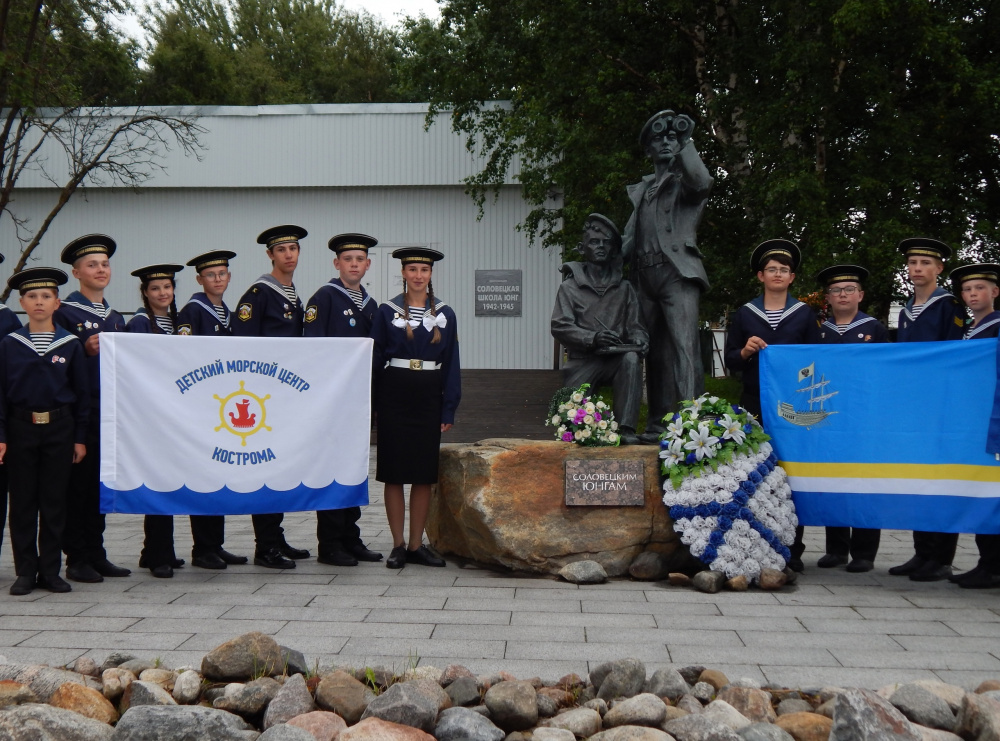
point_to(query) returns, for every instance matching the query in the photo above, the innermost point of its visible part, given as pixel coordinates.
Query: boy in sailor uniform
(978, 287)
(85, 313)
(272, 308)
(848, 325)
(206, 315)
(343, 308)
(932, 314)
(8, 323)
(44, 407)
(773, 318)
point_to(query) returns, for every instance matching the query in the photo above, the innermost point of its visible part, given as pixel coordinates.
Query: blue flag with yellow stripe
(887, 435)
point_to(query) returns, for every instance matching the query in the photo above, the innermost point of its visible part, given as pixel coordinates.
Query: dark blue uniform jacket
(331, 312)
(265, 311)
(78, 315)
(197, 317)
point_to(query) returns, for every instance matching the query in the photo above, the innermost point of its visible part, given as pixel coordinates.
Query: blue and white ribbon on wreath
(739, 519)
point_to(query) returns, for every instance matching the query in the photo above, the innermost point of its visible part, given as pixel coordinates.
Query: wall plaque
(605, 483)
(498, 293)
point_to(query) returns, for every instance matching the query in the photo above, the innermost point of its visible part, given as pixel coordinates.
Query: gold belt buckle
(39, 418)
(416, 364)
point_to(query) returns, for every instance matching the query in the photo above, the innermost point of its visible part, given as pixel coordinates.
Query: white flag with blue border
(233, 425)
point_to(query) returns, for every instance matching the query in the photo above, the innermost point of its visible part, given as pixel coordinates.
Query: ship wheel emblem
(242, 413)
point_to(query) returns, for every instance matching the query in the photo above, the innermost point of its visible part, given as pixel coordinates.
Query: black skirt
(409, 426)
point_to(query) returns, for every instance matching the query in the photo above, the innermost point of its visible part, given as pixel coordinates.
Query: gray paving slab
(831, 628)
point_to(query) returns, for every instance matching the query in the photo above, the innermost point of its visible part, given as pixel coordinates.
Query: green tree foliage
(62, 66)
(256, 52)
(843, 124)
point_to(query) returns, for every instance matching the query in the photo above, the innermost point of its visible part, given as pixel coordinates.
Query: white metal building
(331, 169)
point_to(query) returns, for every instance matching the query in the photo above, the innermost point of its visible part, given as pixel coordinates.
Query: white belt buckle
(39, 418)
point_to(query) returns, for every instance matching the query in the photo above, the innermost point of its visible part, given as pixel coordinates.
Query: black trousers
(3, 501)
(338, 528)
(989, 552)
(39, 459)
(267, 531)
(158, 545)
(857, 542)
(208, 533)
(938, 547)
(83, 538)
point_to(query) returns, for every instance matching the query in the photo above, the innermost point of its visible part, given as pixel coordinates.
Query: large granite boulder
(502, 501)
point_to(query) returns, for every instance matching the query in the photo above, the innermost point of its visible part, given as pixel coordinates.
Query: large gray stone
(923, 707)
(763, 732)
(709, 582)
(649, 566)
(293, 698)
(248, 700)
(861, 715)
(699, 728)
(632, 733)
(407, 704)
(979, 718)
(341, 693)
(621, 678)
(666, 683)
(463, 691)
(182, 723)
(794, 705)
(46, 723)
(187, 688)
(724, 713)
(44, 680)
(581, 722)
(144, 693)
(285, 732)
(584, 572)
(513, 705)
(642, 710)
(293, 662)
(248, 656)
(116, 659)
(462, 724)
(543, 733)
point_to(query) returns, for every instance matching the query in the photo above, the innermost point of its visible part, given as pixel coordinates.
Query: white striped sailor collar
(859, 319)
(60, 338)
(78, 301)
(338, 285)
(991, 320)
(210, 308)
(398, 305)
(939, 293)
(271, 282)
(756, 305)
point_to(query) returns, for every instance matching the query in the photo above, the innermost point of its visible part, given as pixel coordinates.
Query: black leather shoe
(22, 585)
(105, 568)
(231, 558)
(163, 571)
(272, 559)
(175, 562)
(796, 565)
(958, 578)
(860, 565)
(208, 561)
(908, 568)
(338, 557)
(979, 579)
(397, 558)
(54, 583)
(83, 572)
(831, 560)
(650, 438)
(361, 552)
(424, 557)
(289, 552)
(931, 571)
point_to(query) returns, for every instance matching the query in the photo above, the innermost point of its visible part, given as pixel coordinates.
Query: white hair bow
(438, 319)
(401, 322)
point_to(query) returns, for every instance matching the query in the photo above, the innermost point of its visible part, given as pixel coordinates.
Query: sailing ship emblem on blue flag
(819, 394)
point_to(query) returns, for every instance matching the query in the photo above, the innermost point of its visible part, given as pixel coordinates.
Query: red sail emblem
(242, 420)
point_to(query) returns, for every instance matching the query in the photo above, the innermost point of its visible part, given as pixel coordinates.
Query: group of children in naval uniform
(50, 401)
(931, 314)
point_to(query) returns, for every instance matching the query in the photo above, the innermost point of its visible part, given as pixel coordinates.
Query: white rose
(588, 420)
(603, 424)
(556, 419)
(612, 437)
(577, 397)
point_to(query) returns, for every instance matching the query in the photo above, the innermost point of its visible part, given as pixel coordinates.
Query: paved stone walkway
(831, 628)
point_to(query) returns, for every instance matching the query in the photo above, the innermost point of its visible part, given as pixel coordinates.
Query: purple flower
(567, 437)
(597, 416)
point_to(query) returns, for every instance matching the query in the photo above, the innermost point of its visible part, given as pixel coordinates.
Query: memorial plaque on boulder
(610, 483)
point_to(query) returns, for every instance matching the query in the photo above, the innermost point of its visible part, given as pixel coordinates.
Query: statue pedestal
(501, 501)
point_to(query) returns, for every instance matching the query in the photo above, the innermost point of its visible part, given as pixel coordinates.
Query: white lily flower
(702, 443)
(676, 429)
(673, 453)
(732, 429)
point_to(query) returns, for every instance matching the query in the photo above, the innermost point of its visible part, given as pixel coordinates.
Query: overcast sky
(390, 11)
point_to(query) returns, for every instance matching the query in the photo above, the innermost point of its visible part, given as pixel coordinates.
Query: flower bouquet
(730, 502)
(582, 418)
